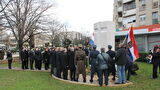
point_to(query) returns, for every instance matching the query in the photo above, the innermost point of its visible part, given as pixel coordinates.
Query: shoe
(117, 83)
(84, 80)
(76, 80)
(91, 80)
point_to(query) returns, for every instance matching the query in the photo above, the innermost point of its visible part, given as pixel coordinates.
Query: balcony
(129, 12)
(120, 9)
(125, 1)
(120, 19)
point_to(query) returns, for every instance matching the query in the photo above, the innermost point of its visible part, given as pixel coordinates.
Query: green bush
(14, 50)
(142, 57)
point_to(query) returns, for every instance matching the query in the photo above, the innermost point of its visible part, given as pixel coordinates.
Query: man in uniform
(80, 63)
(93, 59)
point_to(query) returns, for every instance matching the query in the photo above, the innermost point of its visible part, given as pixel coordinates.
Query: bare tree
(2, 8)
(54, 28)
(23, 17)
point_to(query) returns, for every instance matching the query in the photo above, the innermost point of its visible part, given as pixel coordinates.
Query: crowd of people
(73, 61)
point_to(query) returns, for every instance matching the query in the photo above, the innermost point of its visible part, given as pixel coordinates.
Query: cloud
(82, 14)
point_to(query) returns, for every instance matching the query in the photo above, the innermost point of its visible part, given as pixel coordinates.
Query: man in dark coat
(38, 59)
(121, 60)
(24, 57)
(46, 57)
(72, 67)
(93, 59)
(9, 57)
(111, 67)
(53, 61)
(80, 62)
(26, 61)
(58, 63)
(31, 58)
(63, 63)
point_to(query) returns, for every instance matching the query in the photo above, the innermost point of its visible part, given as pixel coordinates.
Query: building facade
(136, 13)
(144, 15)
(104, 34)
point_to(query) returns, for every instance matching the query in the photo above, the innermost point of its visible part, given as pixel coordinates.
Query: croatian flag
(133, 50)
(92, 40)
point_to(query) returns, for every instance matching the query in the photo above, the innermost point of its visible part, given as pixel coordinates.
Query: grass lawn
(27, 80)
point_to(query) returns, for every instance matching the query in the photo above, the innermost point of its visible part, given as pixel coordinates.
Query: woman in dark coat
(9, 57)
(155, 61)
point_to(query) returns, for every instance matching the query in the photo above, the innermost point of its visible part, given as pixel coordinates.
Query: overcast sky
(80, 15)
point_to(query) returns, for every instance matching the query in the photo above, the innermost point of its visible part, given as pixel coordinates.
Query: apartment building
(144, 15)
(136, 13)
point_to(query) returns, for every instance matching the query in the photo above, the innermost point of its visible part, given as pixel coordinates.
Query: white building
(104, 34)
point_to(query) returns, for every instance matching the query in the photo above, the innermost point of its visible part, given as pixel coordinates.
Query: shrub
(142, 57)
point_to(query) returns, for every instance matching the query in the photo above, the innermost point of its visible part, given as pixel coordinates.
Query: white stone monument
(104, 34)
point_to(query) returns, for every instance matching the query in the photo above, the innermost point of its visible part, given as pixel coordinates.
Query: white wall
(104, 34)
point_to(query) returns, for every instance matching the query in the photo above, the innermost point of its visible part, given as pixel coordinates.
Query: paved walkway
(94, 83)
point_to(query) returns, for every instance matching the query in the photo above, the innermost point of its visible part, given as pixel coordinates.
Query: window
(142, 2)
(103, 28)
(155, 17)
(142, 5)
(142, 17)
(96, 29)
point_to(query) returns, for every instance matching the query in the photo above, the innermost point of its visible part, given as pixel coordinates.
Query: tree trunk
(31, 42)
(20, 48)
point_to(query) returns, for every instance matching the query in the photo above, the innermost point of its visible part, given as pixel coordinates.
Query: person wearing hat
(112, 68)
(93, 61)
(80, 63)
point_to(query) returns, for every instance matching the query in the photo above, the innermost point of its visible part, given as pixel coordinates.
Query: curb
(89, 84)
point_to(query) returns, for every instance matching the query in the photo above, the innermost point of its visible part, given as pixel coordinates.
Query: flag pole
(125, 39)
